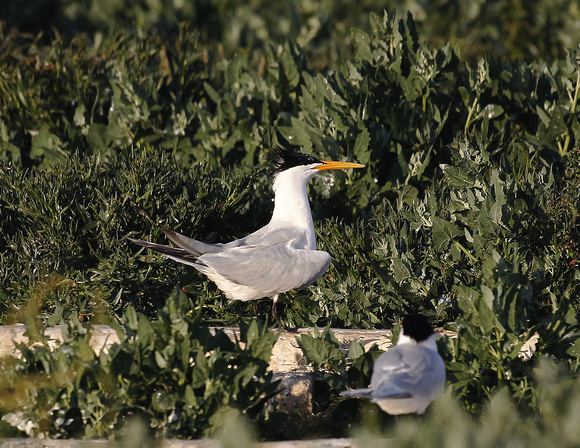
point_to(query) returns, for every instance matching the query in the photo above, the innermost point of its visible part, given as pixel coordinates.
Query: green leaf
(160, 360)
(298, 134)
(162, 400)
(46, 145)
(362, 45)
(498, 201)
(490, 112)
(98, 136)
(252, 332)
(400, 270)
(355, 350)
(361, 146)
(130, 318)
(319, 351)
(79, 117)
(574, 350)
(456, 177)
(444, 232)
(212, 93)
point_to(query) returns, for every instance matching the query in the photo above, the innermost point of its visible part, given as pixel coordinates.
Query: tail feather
(193, 246)
(362, 393)
(175, 253)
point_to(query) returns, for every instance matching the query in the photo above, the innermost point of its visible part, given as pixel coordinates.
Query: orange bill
(331, 165)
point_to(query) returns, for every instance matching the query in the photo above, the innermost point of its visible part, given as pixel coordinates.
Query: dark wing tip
(175, 252)
(394, 396)
(138, 242)
(167, 231)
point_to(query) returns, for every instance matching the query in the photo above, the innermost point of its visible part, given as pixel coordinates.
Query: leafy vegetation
(529, 30)
(170, 376)
(467, 210)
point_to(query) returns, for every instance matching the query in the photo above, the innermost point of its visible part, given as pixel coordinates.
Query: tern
(277, 258)
(410, 375)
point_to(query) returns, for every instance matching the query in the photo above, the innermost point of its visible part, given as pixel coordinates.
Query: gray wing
(269, 260)
(266, 236)
(408, 371)
(271, 236)
(273, 269)
(389, 373)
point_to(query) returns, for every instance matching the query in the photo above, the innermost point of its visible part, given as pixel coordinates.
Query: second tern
(407, 377)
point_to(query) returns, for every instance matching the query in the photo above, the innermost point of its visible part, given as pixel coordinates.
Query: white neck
(291, 204)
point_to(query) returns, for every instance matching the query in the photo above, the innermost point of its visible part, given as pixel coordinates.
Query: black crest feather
(284, 160)
(417, 326)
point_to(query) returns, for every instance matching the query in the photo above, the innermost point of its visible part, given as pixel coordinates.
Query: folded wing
(267, 262)
(272, 269)
(408, 371)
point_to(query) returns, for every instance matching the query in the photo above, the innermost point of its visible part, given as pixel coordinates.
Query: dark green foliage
(525, 30)
(172, 375)
(332, 364)
(73, 221)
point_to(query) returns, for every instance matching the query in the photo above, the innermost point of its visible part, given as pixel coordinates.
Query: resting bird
(410, 375)
(274, 259)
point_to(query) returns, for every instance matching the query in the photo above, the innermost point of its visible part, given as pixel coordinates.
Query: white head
(295, 166)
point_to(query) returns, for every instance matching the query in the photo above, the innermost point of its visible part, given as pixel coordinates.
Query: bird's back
(408, 369)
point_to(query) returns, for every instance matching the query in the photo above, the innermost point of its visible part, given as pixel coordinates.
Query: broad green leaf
(444, 232)
(46, 145)
(574, 350)
(362, 45)
(400, 270)
(491, 111)
(456, 177)
(355, 350)
(495, 212)
(160, 360)
(145, 332)
(130, 318)
(318, 351)
(298, 134)
(361, 147)
(79, 117)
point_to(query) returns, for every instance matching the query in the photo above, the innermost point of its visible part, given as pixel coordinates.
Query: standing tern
(274, 259)
(410, 375)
